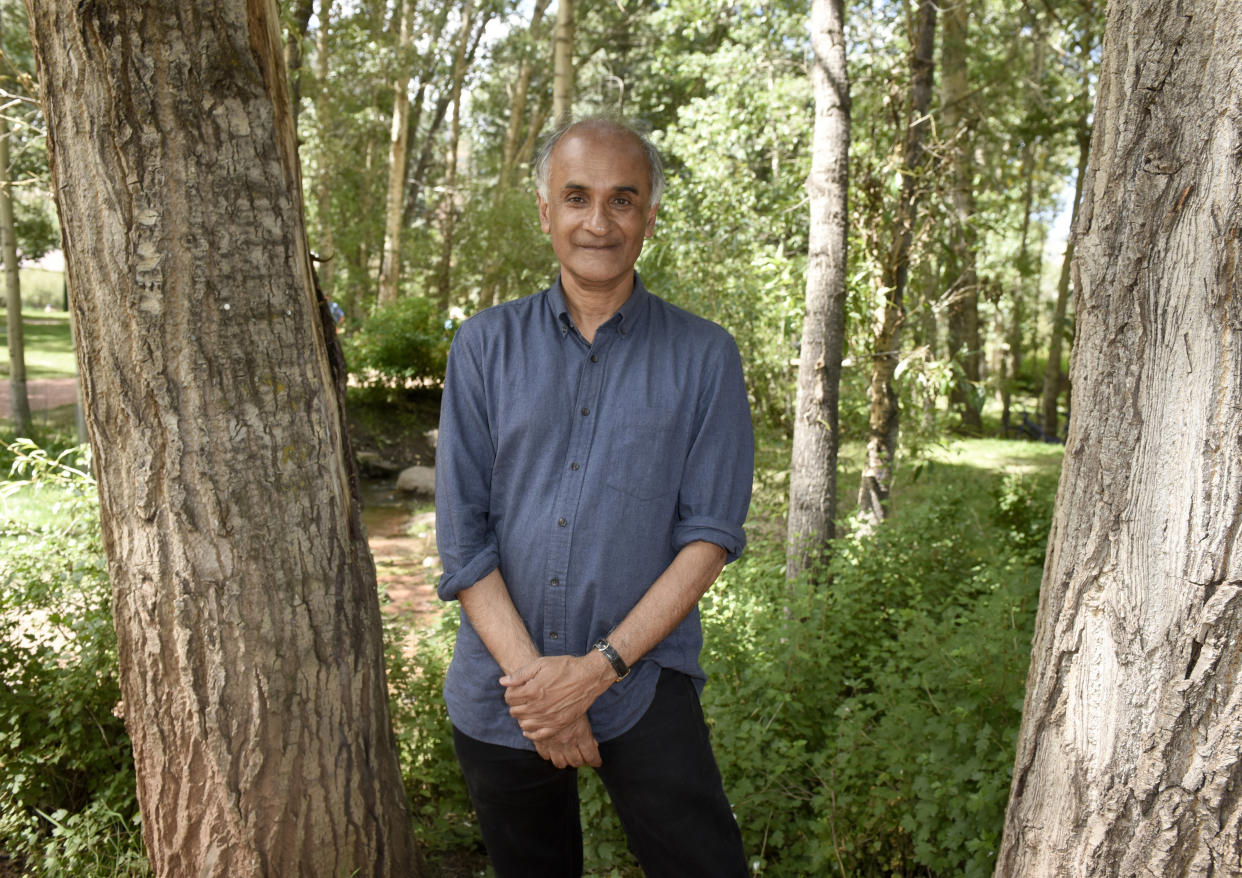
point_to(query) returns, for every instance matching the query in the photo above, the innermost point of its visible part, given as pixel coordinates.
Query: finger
(521, 675)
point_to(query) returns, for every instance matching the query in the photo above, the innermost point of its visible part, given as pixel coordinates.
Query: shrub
(407, 340)
(68, 803)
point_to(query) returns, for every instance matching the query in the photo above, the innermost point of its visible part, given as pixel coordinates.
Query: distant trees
(1131, 744)
(245, 602)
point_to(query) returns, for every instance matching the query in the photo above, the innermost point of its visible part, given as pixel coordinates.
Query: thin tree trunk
(293, 53)
(19, 401)
(1053, 376)
(390, 269)
(1129, 758)
(323, 188)
(963, 292)
(449, 203)
(244, 595)
(563, 64)
(813, 466)
(517, 103)
(884, 417)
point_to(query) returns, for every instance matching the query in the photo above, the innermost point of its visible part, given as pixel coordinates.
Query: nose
(597, 219)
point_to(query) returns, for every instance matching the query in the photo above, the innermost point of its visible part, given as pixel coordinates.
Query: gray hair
(616, 126)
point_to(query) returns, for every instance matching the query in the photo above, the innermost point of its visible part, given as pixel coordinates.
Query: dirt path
(406, 563)
(42, 393)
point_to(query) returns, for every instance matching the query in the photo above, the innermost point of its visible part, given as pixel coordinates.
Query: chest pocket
(647, 456)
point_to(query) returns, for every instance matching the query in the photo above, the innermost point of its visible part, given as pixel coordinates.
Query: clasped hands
(549, 699)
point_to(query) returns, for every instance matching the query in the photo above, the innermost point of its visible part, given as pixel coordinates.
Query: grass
(48, 345)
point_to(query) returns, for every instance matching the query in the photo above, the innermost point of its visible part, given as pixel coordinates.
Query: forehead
(599, 158)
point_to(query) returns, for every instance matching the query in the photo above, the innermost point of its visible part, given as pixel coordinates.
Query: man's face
(598, 209)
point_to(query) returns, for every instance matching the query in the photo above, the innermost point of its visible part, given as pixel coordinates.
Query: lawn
(48, 343)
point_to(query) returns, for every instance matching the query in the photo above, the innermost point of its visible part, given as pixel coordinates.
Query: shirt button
(585, 411)
(575, 467)
(555, 581)
(554, 635)
(561, 522)
(594, 358)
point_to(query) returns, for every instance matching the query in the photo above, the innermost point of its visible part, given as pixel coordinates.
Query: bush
(405, 341)
(68, 803)
(868, 727)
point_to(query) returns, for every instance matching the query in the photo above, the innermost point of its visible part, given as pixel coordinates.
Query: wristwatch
(619, 667)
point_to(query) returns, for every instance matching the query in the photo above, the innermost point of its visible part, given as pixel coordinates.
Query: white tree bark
(390, 270)
(1130, 756)
(813, 466)
(244, 594)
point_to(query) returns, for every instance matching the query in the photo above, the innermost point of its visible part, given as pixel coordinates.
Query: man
(593, 473)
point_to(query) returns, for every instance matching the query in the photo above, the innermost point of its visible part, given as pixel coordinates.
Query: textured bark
(813, 466)
(1129, 760)
(244, 594)
(963, 282)
(563, 64)
(19, 401)
(390, 270)
(884, 418)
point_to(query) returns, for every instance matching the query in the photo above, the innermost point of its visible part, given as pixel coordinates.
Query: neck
(589, 308)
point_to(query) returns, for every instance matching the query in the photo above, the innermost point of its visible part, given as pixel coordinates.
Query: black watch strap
(619, 667)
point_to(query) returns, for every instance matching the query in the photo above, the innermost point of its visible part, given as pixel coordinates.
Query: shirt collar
(624, 321)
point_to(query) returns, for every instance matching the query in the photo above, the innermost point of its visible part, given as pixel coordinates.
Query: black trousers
(661, 776)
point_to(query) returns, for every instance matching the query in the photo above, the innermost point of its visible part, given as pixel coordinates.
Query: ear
(651, 215)
(544, 222)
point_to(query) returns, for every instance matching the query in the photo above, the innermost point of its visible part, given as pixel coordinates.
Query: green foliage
(439, 803)
(868, 727)
(407, 340)
(67, 794)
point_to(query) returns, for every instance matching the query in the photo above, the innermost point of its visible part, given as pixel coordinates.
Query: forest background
(864, 729)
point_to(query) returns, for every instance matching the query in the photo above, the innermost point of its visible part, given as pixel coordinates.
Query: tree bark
(1129, 759)
(323, 183)
(390, 269)
(244, 595)
(563, 64)
(444, 280)
(813, 465)
(884, 416)
(293, 53)
(1053, 376)
(963, 290)
(19, 401)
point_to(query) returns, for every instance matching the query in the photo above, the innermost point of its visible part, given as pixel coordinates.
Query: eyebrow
(582, 187)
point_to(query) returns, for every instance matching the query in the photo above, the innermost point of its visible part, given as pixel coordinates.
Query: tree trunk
(518, 99)
(1052, 369)
(19, 401)
(244, 595)
(884, 417)
(323, 183)
(449, 202)
(813, 466)
(963, 292)
(563, 64)
(390, 269)
(293, 53)
(1130, 755)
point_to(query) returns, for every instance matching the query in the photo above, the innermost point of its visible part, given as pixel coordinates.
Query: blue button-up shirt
(580, 470)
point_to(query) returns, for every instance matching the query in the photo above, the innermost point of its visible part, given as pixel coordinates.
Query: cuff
(464, 577)
(725, 534)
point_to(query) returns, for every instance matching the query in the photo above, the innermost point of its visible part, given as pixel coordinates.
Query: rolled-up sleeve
(465, 455)
(714, 495)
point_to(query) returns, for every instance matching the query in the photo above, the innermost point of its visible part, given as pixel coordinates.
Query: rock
(371, 465)
(418, 480)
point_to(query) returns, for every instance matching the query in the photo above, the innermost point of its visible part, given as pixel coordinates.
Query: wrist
(620, 670)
